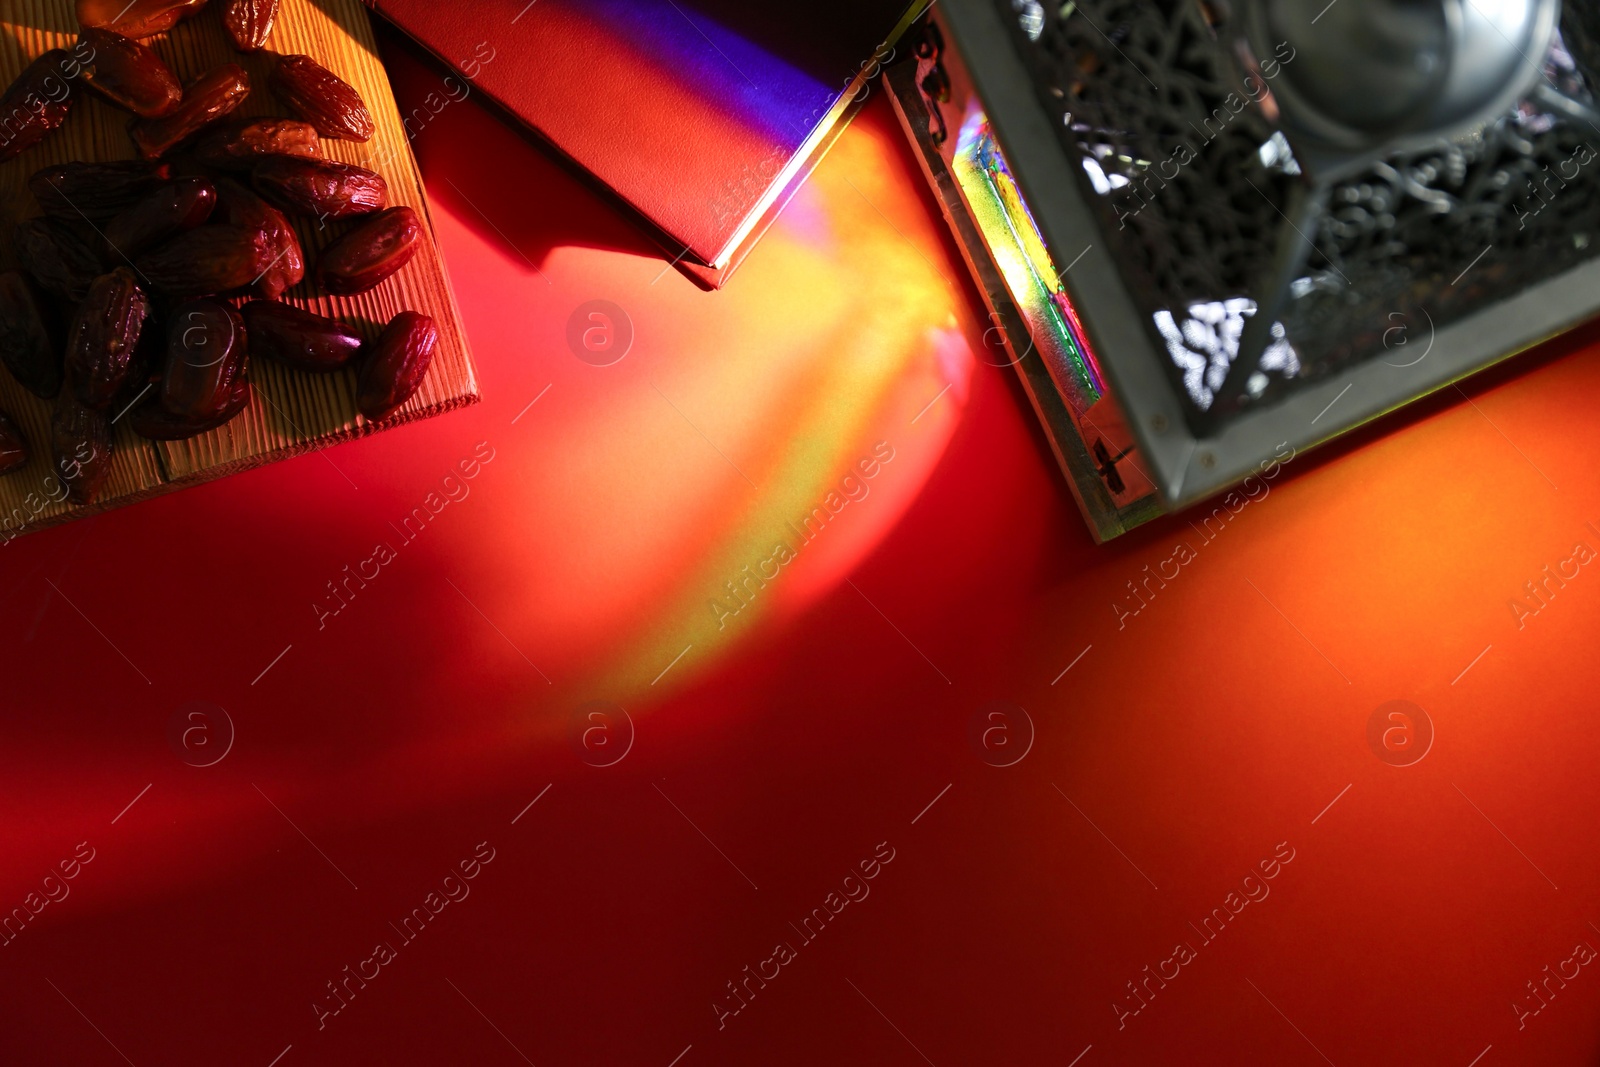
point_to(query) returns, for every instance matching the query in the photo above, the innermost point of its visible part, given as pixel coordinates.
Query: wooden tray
(292, 411)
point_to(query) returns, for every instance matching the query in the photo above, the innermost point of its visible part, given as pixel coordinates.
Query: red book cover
(700, 114)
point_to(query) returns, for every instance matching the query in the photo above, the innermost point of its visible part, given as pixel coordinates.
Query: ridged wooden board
(292, 411)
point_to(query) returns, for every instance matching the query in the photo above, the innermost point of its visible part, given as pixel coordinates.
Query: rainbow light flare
(1029, 270)
(843, 339)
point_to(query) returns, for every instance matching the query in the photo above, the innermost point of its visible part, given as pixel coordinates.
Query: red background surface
(833, 714)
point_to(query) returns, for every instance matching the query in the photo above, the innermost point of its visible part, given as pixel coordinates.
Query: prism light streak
(1026, 265)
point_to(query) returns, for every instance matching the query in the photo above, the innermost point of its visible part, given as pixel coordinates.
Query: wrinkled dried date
(95, 191)
(144, 370)
(321, 188)
(13, 446)
(209, 259)
(130, 75)
(322, 98)
(37, 102)
(370, 253)
(206, 354)
(199, 377)
(140, 18)
(80, 444)
(208, 99)
(241, 144)
(28, 339)
(238, 206)
(249, 22)
(397, 364)
(299, 338)
(152, 421)
(181, 205)
(57, 258)
(104, 336)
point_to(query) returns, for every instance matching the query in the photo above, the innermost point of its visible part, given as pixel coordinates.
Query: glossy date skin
(397, 364)
(242, 143)
(29, 342)
(209, 99)
(13, 446)
(130, 75)
(104, 336)
(322, 98)
(364, 257)
(321, 188)
(238, 206)
(207, 353)
(58, 259)
(299, 338)
(208, 259)
(140, 18)
(249, 22)
(153, 337)
(37, 102)
(144, 371)
(95, 191)
(80, 445)
(170, 210)
(152, 421)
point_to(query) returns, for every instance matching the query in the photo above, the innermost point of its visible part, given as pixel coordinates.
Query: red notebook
(702, 115)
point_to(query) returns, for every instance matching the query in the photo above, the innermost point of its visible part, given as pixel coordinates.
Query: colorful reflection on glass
(1030, 272)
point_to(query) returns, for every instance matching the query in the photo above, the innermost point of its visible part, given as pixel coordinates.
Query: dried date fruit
(104, 336)
(80, 444)
(322, 98)
(29, 344)
(13, 446)
(210, 98)
(208, 259)
(129, 75)
(37, 102)
(239, 145)
(299, 338)
(371, 252)
(140, 18)
(95, 191)
(396, 366)
(60, 261)
(249, 22)
(152, 421)
(144, 370)
(178, 206)
(238, 206)
(321, 188)
(206, 354)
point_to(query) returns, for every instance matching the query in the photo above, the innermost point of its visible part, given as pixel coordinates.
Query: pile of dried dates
(148, 284)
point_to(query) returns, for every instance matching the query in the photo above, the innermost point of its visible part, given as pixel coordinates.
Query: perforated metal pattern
(1192, 182)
